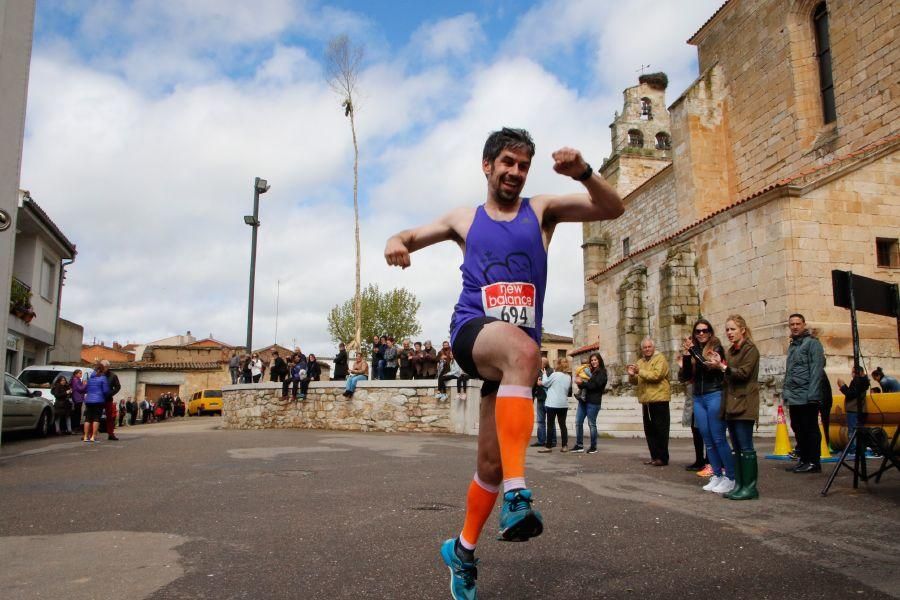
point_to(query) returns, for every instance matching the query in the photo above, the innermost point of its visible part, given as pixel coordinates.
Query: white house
(40, 256)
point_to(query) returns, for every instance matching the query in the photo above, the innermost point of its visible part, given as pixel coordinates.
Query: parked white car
(41, 377)
(25, 410)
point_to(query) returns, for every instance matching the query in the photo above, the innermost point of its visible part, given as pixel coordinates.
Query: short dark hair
(498, 141)
(799, 316)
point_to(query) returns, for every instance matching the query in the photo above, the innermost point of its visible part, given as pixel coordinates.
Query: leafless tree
(343, 60)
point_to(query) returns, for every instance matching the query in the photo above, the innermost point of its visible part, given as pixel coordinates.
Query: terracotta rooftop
(167, 366)
(583, 349)
(781, 183)
(554, 338)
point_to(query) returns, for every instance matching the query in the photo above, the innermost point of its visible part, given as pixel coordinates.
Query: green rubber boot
(738, 476)
(751, 475)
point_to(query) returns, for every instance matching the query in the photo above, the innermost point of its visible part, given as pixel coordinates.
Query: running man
(496, 326)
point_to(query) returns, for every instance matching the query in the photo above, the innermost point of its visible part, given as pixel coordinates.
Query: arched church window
(663, 141)
(635, 139)
(646, 109)
(823, 53)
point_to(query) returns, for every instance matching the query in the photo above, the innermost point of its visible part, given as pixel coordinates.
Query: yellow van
(205, 401)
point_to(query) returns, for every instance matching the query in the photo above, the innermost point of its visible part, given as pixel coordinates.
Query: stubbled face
(507, 174)
(734, 333)
(796, 325)
(647, 348)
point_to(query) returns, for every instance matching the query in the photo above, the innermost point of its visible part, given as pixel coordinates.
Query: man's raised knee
(526, 356)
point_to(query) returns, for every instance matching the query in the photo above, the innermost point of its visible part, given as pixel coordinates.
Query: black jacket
(279, 366)
(313, 371)
(114, 385)
(703, 378)
(593, 387)
(340, 365)
(855, 394)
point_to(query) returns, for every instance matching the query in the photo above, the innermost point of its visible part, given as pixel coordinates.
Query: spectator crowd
(722, 405)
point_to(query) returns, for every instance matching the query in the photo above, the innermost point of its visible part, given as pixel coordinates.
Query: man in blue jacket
(802, 393)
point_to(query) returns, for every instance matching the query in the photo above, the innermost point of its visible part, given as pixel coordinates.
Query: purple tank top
(504, 272)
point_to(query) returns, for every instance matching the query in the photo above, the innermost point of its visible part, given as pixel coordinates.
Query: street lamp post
(260, 186)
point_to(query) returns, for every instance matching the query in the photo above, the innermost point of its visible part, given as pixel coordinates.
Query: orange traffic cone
(782, 439)
(824, 449)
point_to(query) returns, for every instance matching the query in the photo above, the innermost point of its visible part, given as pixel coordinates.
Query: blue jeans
(590, 411)
(379, 369)
(353, 380)
(712, 428)
(741, 433)
(541, 421)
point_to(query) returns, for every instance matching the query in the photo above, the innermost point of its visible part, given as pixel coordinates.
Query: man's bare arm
(399, 246)
(599, 203)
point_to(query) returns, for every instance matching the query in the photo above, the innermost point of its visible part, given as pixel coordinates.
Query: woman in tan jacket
(740, 407)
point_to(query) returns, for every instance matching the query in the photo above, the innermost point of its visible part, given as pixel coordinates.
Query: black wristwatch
(587, 173)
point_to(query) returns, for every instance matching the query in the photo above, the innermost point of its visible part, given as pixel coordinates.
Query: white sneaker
(725, 486)
(713, 482)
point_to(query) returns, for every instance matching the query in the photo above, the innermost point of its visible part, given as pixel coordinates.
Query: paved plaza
(184, 509)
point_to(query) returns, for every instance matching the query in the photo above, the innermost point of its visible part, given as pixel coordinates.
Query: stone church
(776, 165)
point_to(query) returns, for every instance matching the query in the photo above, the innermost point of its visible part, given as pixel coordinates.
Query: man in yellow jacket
(651, 375)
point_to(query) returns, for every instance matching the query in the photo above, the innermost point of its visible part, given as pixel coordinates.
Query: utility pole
(260, 186)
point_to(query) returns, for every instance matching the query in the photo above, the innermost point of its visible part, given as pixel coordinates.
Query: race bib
(510, 302)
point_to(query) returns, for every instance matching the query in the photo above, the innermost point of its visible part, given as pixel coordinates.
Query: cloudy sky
(148, 120)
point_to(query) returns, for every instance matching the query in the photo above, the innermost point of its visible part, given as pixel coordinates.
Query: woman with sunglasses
(707, 380)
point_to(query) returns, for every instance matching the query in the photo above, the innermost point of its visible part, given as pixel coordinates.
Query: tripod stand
(862, 436)
(866, 436)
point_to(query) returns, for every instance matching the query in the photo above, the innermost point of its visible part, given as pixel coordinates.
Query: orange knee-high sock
(479, 504)
(514, 414)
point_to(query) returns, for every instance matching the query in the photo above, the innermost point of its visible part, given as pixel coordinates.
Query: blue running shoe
(518, 521)
(462, 574)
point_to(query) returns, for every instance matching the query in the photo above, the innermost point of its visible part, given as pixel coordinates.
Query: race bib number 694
(511, 302)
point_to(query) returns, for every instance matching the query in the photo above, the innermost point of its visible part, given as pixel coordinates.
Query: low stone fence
(412, 406)
(409, 406)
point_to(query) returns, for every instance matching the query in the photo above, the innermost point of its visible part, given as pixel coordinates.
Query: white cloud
(619, 36)
(449, 38)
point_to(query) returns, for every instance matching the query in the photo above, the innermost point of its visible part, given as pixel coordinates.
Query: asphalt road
(184, 509)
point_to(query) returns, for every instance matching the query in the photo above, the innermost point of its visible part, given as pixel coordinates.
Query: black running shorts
(93, 411)
(462, 352)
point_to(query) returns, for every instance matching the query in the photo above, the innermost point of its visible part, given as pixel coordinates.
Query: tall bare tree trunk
(342, 65)
(358, 297)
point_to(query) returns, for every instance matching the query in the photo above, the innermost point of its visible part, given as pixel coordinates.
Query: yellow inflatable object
(883, 410)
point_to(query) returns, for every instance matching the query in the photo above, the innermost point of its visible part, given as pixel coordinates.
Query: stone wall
(657, 198)
(766, 51)
(389, 406)
(410, 406)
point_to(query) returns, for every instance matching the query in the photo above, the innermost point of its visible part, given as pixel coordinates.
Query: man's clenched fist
(568, 161)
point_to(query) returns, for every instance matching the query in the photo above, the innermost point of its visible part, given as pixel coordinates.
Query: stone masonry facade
(760, 198)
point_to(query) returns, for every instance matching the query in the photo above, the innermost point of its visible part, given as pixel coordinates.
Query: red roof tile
(583, 349)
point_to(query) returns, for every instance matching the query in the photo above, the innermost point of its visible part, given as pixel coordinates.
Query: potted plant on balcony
(20, 301)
